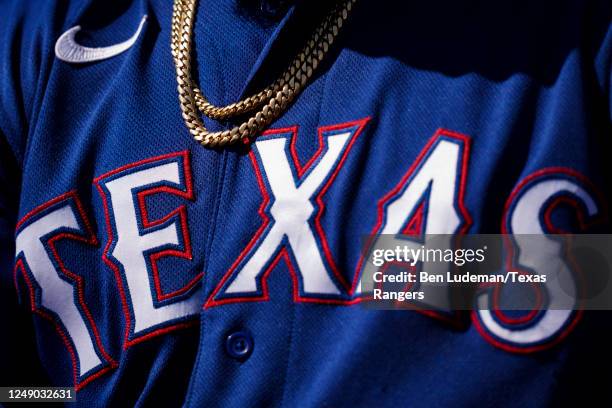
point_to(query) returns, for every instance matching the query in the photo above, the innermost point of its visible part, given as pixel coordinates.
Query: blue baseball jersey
(144, 269)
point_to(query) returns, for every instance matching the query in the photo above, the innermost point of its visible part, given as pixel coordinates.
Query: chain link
(264, 106)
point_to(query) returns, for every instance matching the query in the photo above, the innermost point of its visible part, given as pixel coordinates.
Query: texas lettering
(431, 191)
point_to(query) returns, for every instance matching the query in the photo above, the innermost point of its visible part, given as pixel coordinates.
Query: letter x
(292, 194)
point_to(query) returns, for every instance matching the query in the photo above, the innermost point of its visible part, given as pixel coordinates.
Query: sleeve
(19, 72)
(19, 363)
(603, 53)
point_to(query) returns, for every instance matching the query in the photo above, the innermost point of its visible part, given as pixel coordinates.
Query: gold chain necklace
(272, 101)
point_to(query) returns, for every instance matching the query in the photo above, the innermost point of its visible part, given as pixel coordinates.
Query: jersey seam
(222, 167)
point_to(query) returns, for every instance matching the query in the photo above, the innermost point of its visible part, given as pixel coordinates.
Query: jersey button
(239, 345)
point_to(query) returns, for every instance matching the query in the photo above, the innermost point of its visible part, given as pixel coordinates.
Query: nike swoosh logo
(68, 50)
